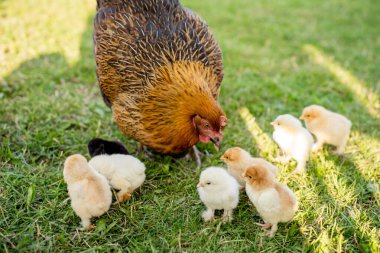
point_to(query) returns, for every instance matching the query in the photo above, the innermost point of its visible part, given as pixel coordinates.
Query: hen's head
(209, 128)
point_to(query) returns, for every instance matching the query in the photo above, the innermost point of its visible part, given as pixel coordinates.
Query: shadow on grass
(349, 227)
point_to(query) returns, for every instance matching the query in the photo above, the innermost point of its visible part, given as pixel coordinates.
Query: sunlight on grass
(30, 30)
(368, 98)
(263, 140)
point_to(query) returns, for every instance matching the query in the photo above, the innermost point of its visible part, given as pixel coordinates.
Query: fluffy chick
(329, 127)
(218, 190)
(124, 172)
(274, 201)
(238, 159)
(89, 191)
(99, 146)
(294, 140)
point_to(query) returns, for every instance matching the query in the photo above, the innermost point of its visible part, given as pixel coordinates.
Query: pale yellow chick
(274, 201)
(329, 127)
(238, 159)
(293, 139)
(124, 172)
(89, 191)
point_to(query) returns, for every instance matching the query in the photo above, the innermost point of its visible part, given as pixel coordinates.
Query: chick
(238, 159)
(89, 191)
(329, 127)
(124, 172)
(99, 146)
(294, 140)
(274, 201)
(218, 190)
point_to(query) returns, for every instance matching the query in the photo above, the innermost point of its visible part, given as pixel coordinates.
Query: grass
(279, 56)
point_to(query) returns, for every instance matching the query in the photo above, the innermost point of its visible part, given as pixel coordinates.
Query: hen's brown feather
(157, 65)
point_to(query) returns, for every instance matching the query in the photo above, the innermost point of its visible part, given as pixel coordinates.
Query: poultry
(159, 69)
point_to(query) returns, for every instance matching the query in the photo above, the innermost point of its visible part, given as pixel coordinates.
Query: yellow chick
(238, 159)
(329, 127)
(274, 201)
(294, 140)
(89, 191)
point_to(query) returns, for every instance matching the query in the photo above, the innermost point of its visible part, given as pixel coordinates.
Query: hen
(159, 68)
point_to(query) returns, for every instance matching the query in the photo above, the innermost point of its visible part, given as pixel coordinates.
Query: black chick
(99, 146)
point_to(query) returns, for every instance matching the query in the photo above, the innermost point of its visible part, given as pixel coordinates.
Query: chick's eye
(208, 183)
(278, 124)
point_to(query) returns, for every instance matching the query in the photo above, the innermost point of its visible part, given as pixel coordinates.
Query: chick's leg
(282, 159)
(208, 214)
(340, 148)
(86, 223)
(273, 230)
(227, 215)
(264, 226)
(301, 164)
(317, 146)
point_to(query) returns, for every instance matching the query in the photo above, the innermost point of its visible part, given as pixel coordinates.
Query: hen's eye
(250, 177)
(207, 126)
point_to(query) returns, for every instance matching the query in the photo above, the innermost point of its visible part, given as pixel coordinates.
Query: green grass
(50, 107)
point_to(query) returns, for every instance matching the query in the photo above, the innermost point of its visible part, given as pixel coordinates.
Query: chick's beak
(301, 117)
(272, 123)
(199, 185)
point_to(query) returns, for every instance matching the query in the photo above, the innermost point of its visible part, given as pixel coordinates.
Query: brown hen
(160, 70)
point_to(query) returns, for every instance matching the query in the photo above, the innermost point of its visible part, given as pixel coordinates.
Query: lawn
(279, 56)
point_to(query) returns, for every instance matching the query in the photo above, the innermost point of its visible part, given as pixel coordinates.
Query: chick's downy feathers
(124, 172)
(294, 140)
(329, 127)
(218, 190)
(238, 159)
(274, 201)
(89, 191)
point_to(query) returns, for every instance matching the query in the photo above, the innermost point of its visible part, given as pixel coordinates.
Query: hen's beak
(199, 185)
(217, 143)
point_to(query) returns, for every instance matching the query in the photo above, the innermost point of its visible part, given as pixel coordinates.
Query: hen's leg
(141, 149)
(196, 154)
